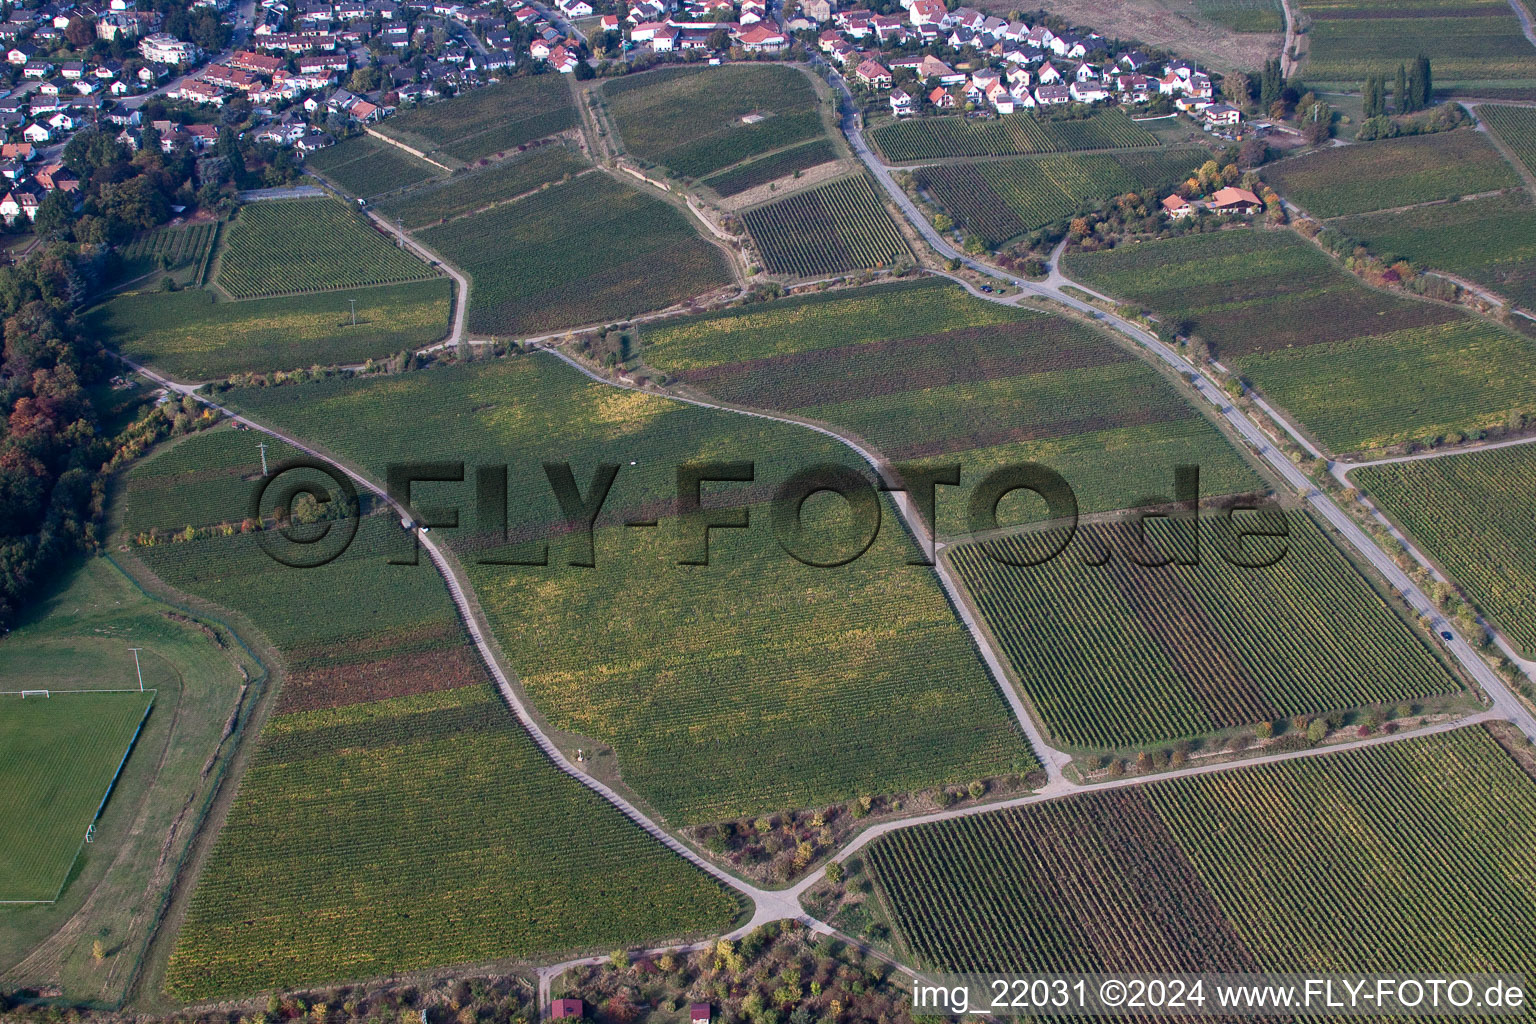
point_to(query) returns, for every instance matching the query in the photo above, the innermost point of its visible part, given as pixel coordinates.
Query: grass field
(1000, 199)
(1260, 869)
(384, 719)
(365, 166)
(59, 757)
(1468, 41)
(77, 633)
(1357, 367)
(590, 250)
(1395, 172)
(485, 122)
(182, 252)
(689, 119)
(762, 683)
(474, 190)
(825, 230)
(291, 246)
(928, 138)
(771, 167)
(1516, 126)
(1490, 241)
(924, 371)
(1471, 513)
(194, 336)
(1121, 655)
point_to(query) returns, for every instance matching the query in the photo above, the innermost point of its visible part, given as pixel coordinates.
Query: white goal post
(34, 693)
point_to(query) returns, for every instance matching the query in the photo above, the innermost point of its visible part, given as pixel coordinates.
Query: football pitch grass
(59, 758)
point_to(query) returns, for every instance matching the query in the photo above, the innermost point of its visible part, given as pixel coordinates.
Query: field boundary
(133, 742)
(418, 154)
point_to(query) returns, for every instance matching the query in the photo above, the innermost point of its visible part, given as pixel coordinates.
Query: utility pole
(136, 667)
(263, 446)
(354, 311)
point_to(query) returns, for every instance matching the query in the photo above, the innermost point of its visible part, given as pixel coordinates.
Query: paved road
(461, 283)
(1505, 702)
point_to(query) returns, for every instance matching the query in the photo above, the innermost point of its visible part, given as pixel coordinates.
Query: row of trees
(1413, 89)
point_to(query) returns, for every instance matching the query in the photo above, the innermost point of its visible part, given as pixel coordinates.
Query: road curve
(1506, 703)
(769, 905)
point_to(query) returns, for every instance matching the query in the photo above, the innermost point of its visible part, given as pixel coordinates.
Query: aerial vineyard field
(1490, 241)
(825, 230)
(1357, 367)
(475, 190)
(924, 371)
(928, 138)
(769, 168)
(384, 718)
(1391, 173)
(1269, 868)
(193, 336)
(763, 683)
(347, 804)
(181, 251)
(689, 119)
(1471, 43)
(589, 250)
(1471, 513)
(999, 199)
(1121, 655)
(1516, 126)
(1243, 15)
(485, 122)
(292, 246)
(59, 756)
(364, 166)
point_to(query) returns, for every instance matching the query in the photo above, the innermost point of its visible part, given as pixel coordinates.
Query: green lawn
(59, 757)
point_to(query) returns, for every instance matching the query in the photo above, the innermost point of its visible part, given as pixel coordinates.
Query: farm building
(1235, 200)
(567, 1009)
(698, 1013)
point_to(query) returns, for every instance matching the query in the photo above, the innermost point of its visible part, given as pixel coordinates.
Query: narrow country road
(460, 282)
(1505, 702)
(1343, 468)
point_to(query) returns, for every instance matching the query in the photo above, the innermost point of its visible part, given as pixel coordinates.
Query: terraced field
(1471, 513)
(1490, 241)
(825, 230)
(925, 372)
(1358, 368)
(764, 682)
(690, 119)
(364, 166)
(1516, 126)
(384, 719)
(487, 122)
(1395, 172)
(1000, 199)
(193, 336)
(930, 138)
(586, 251)
(465, 193)
(294, 246)
(1475, 46)
(1268, 868)
(1121, 655)
(59, 757)
(772, 167)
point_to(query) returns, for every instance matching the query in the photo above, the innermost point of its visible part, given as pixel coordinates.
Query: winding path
(1506, 703)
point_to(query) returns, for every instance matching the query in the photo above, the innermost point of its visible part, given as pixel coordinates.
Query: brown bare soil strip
(361, 682)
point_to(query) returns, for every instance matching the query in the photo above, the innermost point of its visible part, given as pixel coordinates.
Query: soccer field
(59, 757)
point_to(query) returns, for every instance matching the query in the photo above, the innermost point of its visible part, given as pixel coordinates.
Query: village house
(1177, 207)
(873, 73)
(1236, 201)
(901, 102)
